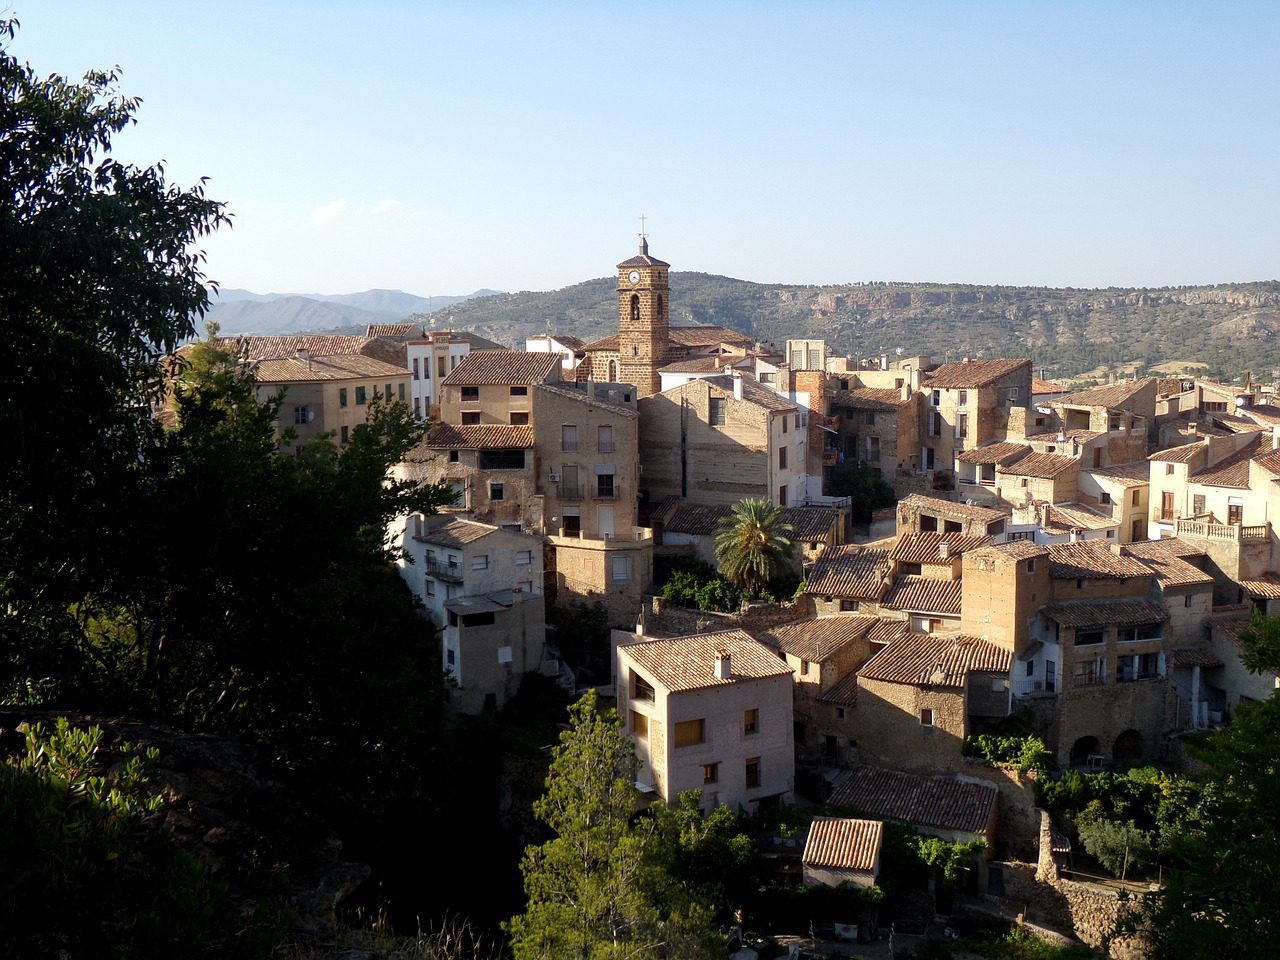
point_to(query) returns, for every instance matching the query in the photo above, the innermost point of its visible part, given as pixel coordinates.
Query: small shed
(842, 849)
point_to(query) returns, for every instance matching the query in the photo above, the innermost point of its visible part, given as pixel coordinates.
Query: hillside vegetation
(1229, 327)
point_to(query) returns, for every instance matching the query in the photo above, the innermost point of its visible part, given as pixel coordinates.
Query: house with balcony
(878, 427)
(491, 469)
(710, 712)
(968, 404)
(481, 586)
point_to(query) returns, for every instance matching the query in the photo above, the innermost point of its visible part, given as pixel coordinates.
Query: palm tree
(753, 544)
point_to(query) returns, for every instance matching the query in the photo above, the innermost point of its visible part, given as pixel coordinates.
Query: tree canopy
(753, 544)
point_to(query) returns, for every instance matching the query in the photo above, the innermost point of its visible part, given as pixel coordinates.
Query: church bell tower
(643, 329)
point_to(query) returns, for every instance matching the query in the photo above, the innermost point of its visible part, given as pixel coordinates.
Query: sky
(439, 148)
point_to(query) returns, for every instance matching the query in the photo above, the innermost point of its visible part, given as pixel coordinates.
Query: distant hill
(1230, 327)
(242, 311)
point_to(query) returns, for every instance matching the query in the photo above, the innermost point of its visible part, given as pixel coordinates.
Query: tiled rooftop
(1265, 587)
(868, 398)
(1169, 564)
(278, 348)
(1045, 466)
(1100, 613)
(943, 802)
(1184, 453)
(1128, 475)
(483, 436)
(456, 533)
(923, 595)
(1073, 516)
(919, 503)
(394, 330)
(1014, 550)
(573, 393)
(689, 663)
(931, 660)
(926, 548)
(843, 693)
(1115, 396)
(316, 369)
(971, 373)
(482, 367)
(1232, 471)
(999, 453)
(844, 843)
(817, 639)
(849, 571)
(1092, 559)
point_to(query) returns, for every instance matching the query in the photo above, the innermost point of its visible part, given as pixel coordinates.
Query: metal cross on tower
(643, 235)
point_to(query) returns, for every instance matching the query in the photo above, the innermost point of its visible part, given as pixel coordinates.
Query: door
(1166, 506)
(604, 522)
(1050, 676)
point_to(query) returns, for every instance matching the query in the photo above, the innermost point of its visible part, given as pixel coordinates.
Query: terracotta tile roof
(1184, 453)
(1232, 471)
(278, 348)
(919, 503)
(811, 524)
(689, 663)
(817, 639)
(926, 548)
(1114, 396)
(1039, 386)
(972, 373)
(752, 392)
(843, 843)
(1065, 517)
(482, 436)
(697, 365)
(1171, 568)
(1236, 424)
(394, 330)
(867, 398)
(923, 595)
(573, 393)
(682, 337)
(1014, 550)
(1099, 613)
(340, 367)
(1045, 466)
(942, 802)
(1092, 560)
(931, 660)
(1196, 657)
(456, 533)
(1263, 413)
(1164, 547)
(843, 693)
(886, 631)
(1080, 436)
(1001, 453)
(1128, 475)
(501, 367)
(1269, 462)
(1265, 587)
(850, 571)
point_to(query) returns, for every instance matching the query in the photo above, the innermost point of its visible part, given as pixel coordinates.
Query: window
(417, 406)
(431, 587)
(620, 568)
(785, 421)
(1086, 638)
(480, 562)
(451, 657)
(344, 434)
(342, 396)
(1104, 497)
(690, 733)
(839, 713)
(782, 495)
(1013, 396)
(386, 390)
(639, 725)
(495, 491)
(361, 399)
(524, 558)
(926, 717)
(520, 391)
(1166, 505)
(768, 378)
(1168, 469)
(753, 773)
(717, 412)
(751, 722)
(1136, 495)
(453, 456)
(401, 392)
(871, 419)
(470, 393)
(710, 772)
(782, 458)
(641, 689)
(604, 438)
(605, 490)
(962, 424)
(504, 654)
(1186, 601)
(1235, 513)
(1088, 673)
(415, 368)
(569, 438)
(962, 397)
(1031, 565)
(441, 369)
(520, 419)
(873, 449)
(935, 398)
(471, 418)
(848, 606)
(804, 667)
(501, 459)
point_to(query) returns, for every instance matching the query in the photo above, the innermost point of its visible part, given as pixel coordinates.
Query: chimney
(724, 665)
(1117, 549)
(905, 393)
(303, 355)
(939, 676)
(737, 386)
(944, 550)
(1075, 534)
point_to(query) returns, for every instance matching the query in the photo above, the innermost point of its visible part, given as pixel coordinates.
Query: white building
(569, 348)
(710, 712)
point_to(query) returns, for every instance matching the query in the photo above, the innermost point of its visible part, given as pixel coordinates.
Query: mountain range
(243, 311)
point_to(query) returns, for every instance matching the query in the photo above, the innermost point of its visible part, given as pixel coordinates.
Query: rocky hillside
(1229, 327)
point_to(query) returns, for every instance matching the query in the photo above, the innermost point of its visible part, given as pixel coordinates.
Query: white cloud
(385, 206)
(328, 213)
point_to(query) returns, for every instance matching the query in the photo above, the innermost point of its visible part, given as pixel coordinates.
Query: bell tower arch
(643, 324)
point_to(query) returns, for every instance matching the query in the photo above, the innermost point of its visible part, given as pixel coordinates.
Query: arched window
(659, 306)
(613, 371)
(635, 306)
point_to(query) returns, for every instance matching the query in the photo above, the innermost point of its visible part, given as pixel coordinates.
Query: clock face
(634, 276)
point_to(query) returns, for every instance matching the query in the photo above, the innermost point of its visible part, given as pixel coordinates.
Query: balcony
(1030, 687)
(448, 572)
(1208, 530)
(604, 493)
(570, 491)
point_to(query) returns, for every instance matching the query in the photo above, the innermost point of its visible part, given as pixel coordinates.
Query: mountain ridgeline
(1228, 327)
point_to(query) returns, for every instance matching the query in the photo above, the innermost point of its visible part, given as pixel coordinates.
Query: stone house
(710, 712)
(491, 469)
(849, 579)
(493, 387)
(1037, 477)
(842, 850)
(920, 514)
(877, 427)
(968, 404)
(956, 808)
(722, 439)
(919, 697)
(1121, 410)
(1123, 491)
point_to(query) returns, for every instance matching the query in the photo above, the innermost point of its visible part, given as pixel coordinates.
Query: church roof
(642, 259)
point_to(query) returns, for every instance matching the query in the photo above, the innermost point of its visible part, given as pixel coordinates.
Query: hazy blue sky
(441, 147)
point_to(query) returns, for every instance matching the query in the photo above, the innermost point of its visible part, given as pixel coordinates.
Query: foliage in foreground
(1024, 752)
(866, 489)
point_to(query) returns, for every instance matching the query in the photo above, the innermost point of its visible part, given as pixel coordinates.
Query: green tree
(595, 890)
(866, 489)
(753, 545)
